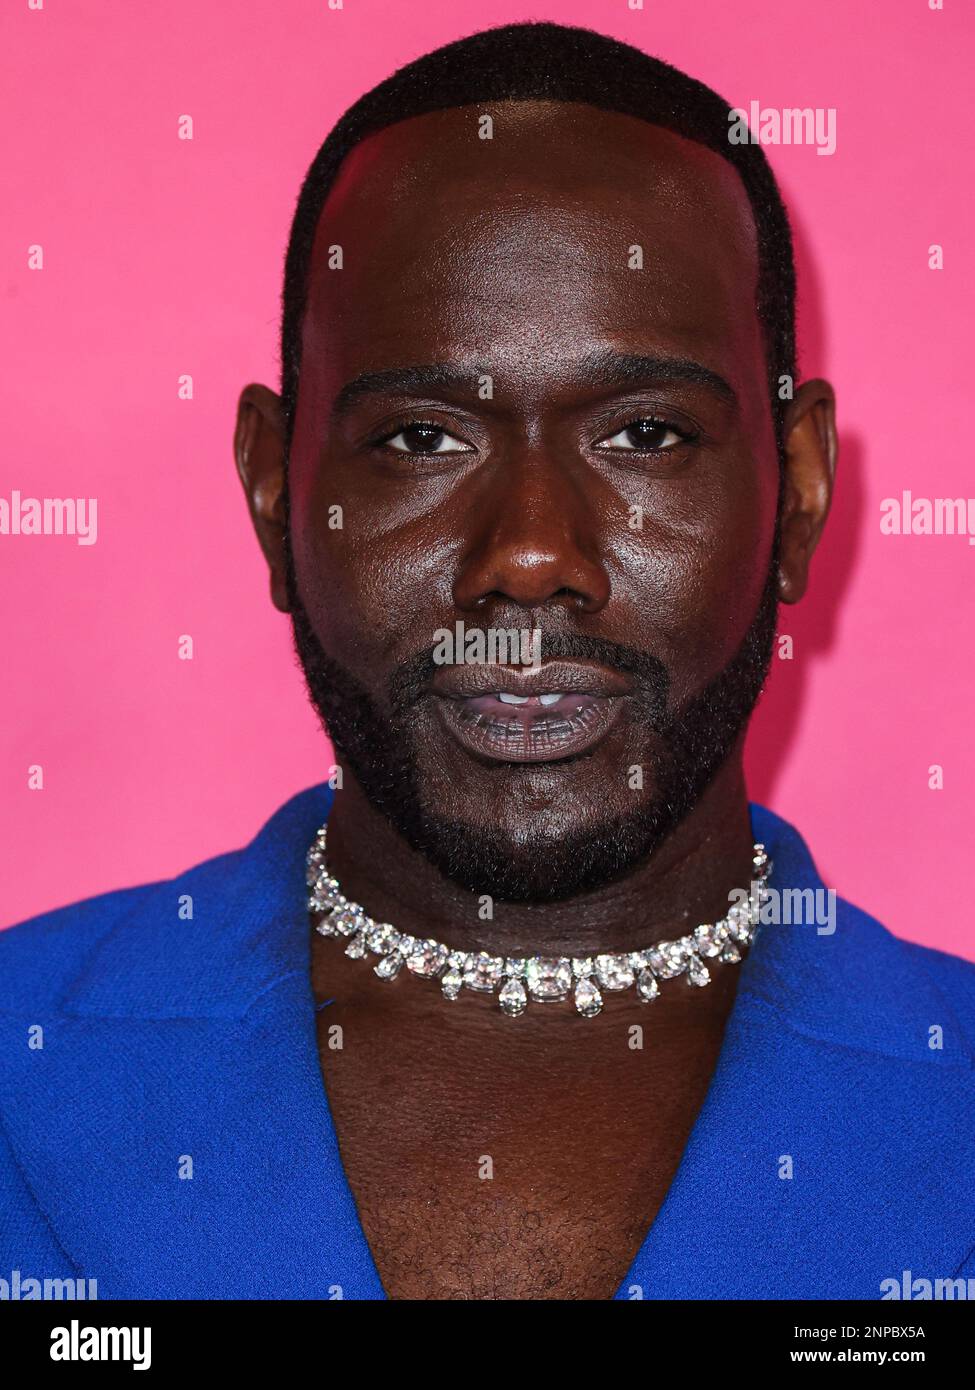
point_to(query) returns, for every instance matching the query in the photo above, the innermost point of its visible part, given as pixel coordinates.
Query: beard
(691, 744)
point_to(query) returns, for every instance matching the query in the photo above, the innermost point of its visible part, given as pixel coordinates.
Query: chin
(522, 864)
(523, 826)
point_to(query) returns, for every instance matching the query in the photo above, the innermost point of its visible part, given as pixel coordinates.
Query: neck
(687, 881)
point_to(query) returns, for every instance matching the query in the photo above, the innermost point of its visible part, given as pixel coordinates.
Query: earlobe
(809, 473)
(259, 455)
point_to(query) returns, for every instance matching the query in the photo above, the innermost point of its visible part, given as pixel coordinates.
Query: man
(538, 381)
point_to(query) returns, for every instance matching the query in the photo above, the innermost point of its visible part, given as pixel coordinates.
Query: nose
(536, 541)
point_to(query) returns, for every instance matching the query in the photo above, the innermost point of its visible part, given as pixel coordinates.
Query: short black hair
(551, 62)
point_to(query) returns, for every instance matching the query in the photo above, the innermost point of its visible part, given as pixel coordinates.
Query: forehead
(522, 245)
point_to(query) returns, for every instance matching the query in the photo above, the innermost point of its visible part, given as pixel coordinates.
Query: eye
(648, 436)
(422, 437)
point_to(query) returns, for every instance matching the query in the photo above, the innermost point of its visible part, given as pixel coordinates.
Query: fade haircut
(552, 62)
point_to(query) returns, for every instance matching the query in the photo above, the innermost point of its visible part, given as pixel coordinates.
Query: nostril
(501, 597)
(523, 580)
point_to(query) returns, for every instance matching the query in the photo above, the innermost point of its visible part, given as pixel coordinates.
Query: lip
(574, 677)
(529, 734)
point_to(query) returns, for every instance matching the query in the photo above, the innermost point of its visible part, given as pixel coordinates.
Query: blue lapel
(825, 1063)
(195, 1041)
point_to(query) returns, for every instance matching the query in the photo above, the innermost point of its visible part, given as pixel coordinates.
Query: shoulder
(40, 956)
(201, 942)
(909, 1000)
(897, 960)
(839, 973)
(43, 956)
(953, 976)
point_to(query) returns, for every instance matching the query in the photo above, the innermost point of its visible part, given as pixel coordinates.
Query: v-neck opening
(711, 1114)
(643, 1250)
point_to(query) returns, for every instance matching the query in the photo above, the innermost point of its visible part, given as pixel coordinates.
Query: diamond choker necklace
(545, 979)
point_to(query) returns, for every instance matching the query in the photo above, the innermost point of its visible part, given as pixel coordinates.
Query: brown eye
(421, 437)
(650, 436)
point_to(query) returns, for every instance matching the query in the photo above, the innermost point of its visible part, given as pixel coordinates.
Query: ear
(810, 470)
(259, 454)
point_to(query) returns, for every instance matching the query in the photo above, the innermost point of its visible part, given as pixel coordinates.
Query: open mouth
(530, 728)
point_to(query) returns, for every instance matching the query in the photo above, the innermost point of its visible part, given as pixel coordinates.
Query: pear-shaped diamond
(588, 999)
(646, 986)
(357, 947)
(451, 983)
(513, 998)
(697, 972)
(389, 967)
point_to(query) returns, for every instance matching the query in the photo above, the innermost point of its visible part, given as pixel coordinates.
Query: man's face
(510, 484)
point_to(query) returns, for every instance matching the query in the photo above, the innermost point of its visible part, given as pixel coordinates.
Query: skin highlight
(509, 258)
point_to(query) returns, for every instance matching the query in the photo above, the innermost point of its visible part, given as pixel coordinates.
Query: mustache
(411, 679)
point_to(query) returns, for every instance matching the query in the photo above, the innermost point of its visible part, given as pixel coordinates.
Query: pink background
(164, 257)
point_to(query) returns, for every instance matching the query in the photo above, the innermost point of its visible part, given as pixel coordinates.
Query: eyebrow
(600, 369)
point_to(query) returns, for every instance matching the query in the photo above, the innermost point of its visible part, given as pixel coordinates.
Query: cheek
(693, 576)
(375, 588)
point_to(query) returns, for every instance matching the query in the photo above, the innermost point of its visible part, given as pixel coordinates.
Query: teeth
(550, 699)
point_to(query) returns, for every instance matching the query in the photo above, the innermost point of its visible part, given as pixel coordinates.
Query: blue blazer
(167, 1040)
